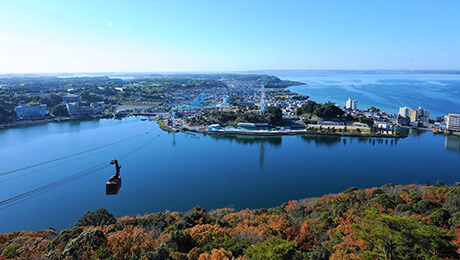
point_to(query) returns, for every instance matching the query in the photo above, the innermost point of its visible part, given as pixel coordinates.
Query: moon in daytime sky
(109, 24)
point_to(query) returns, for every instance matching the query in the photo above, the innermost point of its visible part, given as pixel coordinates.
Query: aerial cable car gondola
(114, 184)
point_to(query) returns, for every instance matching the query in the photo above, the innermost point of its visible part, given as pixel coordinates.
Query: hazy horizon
(271, 71)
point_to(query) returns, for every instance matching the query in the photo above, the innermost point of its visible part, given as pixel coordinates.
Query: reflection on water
(246, 139)
(330, 140)
(413, 131)
(318, 140)
(262, 155)
(452, 142)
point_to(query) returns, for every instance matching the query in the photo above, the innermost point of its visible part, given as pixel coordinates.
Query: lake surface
(179, 171)
(437, 93)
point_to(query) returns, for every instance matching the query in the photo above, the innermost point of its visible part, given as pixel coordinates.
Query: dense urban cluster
(390, 222)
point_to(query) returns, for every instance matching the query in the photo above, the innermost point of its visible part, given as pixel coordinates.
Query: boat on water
(113, 185)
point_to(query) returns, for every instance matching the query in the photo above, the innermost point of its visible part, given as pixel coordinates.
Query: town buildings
(453, 122)
(26, 112)
(72, 98)
(76, 108)
(404, 111)
(415, 114)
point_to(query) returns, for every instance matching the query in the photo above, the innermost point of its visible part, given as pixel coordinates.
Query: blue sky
(91, 36)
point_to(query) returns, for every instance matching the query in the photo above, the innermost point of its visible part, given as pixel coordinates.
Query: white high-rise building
(352, 104)
(453, 122)
(404, 111)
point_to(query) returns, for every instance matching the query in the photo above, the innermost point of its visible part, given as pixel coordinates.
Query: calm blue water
(178, 171)
(437, 93)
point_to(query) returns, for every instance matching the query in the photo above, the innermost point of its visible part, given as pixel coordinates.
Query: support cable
(55, 184)
(69, 156)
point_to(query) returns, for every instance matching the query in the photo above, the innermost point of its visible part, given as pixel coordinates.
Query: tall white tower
(352, 104)
(262, 101)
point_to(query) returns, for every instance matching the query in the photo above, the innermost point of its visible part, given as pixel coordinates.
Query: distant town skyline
(192, 36)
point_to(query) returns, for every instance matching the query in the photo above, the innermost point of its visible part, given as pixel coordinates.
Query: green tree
(307, 108)
(439, 218)
(11, 250)
(395, 237)
(275, 115)
(97, 217)
(236, 246)
(452, 203)
(60, 110)
(179, 241)
(328, 110)
(426, 207)
(273, 249)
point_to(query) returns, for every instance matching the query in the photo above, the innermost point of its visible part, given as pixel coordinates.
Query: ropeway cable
(27, 195)
(35, 192)
(53, 185)
(16, 176)
(69, 156)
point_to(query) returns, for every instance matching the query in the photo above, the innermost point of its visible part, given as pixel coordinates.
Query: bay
(437, 93)
(179, 171)
(163, 171)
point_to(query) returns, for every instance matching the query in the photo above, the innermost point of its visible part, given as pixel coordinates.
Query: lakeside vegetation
(390, 222)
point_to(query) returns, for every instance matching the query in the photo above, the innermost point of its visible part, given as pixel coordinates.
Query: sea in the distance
(437, 93)
(163, 171)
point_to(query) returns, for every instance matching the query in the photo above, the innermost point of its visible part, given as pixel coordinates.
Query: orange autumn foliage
(369, 191)
(217, 254)
(305, 238)
(456, 240)
(178, 256)
(291, 205)
(262, 227)
(194, 254)
(131, 240)
(32, 248)
(345, 231)
(204, 234)
(331, 225)
(439, 198)
(234, 218)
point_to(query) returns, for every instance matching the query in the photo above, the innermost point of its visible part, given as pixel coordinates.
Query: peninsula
(235, 104)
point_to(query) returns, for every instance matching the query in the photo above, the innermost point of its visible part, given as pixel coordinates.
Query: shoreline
(266, 133)
(18, 124)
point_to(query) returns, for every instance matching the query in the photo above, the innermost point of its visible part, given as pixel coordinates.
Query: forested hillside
(390, 222)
